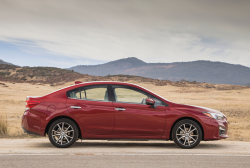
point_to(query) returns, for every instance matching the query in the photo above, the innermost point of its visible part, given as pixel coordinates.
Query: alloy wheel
(62, 133)
(187, 134)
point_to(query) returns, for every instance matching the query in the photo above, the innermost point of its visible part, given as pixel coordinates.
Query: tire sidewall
(187, 121)
(66, 121)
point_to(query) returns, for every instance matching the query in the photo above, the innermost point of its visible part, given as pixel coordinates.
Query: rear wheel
(63, 133)
(187, 134)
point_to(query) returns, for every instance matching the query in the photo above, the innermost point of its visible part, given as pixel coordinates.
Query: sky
(65, 33)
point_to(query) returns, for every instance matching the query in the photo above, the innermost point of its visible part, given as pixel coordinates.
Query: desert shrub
(23, 78)
(31, 76)
(7, 66)
(4, 73)
(20, 70)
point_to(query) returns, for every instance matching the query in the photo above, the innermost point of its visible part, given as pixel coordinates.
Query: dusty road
(98, 153)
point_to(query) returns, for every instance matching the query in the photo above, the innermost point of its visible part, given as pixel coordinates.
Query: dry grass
(3, 126)
(233, 103)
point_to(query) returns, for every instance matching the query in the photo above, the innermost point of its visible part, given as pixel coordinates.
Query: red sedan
(117, 110)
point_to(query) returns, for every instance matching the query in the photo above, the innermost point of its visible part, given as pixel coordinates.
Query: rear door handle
(75, 107)
(120, 109)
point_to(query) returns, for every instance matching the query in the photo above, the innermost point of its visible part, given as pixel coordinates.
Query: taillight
(31, 103)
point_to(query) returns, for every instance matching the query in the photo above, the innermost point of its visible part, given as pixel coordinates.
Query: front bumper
(214, 129)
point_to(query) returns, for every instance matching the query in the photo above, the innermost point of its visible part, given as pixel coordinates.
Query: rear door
(133, 116)
(92, 107)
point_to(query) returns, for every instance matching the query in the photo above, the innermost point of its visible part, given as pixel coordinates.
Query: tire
(63, 138)
(187, 134)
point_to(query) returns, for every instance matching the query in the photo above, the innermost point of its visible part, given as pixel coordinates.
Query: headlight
(214, 115)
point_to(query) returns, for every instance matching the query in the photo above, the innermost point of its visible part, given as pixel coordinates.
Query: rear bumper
(28, 132)
(31, 123)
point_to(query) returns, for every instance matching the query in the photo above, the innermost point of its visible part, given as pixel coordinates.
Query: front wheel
(63, 133)
(187, 134)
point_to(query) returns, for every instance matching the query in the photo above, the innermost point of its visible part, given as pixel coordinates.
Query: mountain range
(200, 71)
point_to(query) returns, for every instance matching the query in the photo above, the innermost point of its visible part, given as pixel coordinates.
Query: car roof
(90, 83)
(103, 82)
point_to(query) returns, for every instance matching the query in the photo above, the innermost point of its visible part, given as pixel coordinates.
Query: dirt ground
(235, 104)
(105, 154)
(95, 147)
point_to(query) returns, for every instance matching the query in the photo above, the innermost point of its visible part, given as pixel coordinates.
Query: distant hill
(3, 62)
(121, 66)
(43, 75)
(200, 71)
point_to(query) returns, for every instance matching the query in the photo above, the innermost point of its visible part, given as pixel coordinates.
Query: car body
(112, 110)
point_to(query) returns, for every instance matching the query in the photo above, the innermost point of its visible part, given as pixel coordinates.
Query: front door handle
(120, 109)
(75, 107)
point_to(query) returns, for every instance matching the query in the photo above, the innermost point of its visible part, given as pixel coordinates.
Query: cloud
(152, 30)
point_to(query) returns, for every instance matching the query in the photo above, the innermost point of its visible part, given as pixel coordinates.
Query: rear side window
(94, 93)
(75, 94)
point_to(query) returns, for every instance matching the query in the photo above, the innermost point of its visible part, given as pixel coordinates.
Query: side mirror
(150, 101)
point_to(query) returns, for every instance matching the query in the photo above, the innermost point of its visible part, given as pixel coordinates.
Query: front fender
(175, 115)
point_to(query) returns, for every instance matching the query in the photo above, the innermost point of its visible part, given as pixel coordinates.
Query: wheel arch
(60, 117)
(183, 118)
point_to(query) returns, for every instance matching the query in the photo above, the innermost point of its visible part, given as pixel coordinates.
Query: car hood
(198, 108)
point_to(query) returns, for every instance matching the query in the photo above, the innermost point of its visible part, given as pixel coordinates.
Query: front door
(91, 106)
(133, 116)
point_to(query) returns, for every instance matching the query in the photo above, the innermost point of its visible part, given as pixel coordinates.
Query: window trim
(111, 96)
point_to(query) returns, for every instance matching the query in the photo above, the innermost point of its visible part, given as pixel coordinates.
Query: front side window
(94, 92)
(125, 94)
